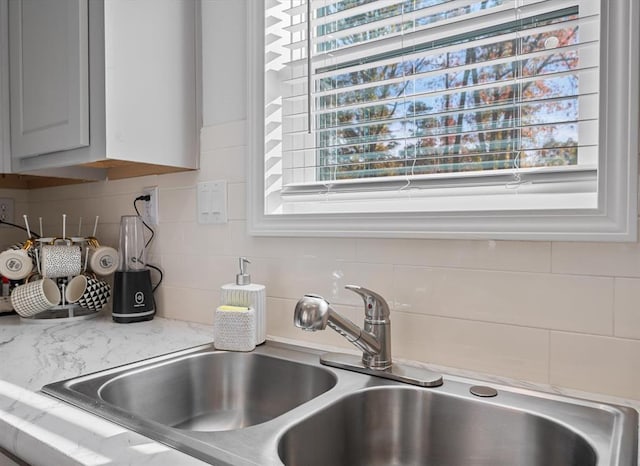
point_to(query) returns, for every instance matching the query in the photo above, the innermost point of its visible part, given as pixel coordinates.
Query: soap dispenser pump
(243, 278)
(246, 294)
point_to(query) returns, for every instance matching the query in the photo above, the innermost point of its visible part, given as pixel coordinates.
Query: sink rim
(258, 444)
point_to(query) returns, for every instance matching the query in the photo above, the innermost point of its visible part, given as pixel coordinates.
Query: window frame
(615, 219)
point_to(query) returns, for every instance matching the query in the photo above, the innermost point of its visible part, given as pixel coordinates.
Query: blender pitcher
(132, 291)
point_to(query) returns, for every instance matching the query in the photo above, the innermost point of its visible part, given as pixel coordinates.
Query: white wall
(553, 312)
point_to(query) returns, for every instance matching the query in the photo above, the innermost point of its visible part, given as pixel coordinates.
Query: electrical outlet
(6, 210)
(149, 211)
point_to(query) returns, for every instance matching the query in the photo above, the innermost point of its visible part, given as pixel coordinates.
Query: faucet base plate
(398, 372)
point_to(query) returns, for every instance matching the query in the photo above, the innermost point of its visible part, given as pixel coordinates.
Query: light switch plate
(212, 202)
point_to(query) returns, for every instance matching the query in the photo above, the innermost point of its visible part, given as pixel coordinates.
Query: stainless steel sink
(278, 405)
(213, 391)
(397, 425)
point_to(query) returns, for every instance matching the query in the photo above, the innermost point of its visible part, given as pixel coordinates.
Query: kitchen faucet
(313, 313)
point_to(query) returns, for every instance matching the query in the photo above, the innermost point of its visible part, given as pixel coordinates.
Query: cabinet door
(5, 157)
(49, 75)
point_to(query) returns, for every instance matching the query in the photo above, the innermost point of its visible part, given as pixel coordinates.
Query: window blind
(370, 96)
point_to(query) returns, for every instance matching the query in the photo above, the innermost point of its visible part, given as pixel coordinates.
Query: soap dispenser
(246, 294)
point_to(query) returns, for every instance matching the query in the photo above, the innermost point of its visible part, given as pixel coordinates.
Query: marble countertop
(44, 431)
(35, 354)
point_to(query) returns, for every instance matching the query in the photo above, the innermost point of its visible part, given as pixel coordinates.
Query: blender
(132, 291)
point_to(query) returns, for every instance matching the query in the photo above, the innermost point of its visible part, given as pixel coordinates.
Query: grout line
(613, 308)
(508, 271)
(549, 357)
(593, 335)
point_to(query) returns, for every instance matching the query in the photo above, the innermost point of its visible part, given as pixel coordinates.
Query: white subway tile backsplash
(512, 351)
(192, 238)
(174, 238)
(109, 234)
(596, 364)
(177, 205)
(72, 191)
(10, 237)
(112, 207)
(292, 278)
(493, 255)
(627, 308)
(236, 201)
(190, 305)
(563, 302)
(611, 259)
(274, 247)
(87, 205)
(198, 271)
(51, 213)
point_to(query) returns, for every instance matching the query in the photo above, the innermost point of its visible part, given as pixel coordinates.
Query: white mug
(90, 293)
(102, 260)
(34, 297)
(16, 264)
(60, 260)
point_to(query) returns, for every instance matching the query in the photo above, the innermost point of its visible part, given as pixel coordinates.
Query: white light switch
(212, 202)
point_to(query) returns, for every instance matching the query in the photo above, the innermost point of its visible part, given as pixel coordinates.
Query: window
(443, 118)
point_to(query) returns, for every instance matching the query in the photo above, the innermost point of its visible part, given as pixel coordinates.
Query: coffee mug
(34, 297)
(60, 260)
(15, 264)
(89, 292)
(102, 260)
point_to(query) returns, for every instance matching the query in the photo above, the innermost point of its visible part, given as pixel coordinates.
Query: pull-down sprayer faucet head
(311, 313)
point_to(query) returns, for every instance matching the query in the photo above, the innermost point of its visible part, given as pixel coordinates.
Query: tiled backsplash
(559, 313)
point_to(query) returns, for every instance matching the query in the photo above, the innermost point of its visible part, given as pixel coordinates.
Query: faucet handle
(375, 306)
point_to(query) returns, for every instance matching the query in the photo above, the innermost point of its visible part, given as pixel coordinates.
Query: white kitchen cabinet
(104, 89)
(5, 163)
(49, 76)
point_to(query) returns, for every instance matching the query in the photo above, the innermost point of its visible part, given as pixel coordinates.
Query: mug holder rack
(64, 310)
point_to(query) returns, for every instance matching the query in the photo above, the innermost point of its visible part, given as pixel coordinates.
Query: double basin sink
(278, 405)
